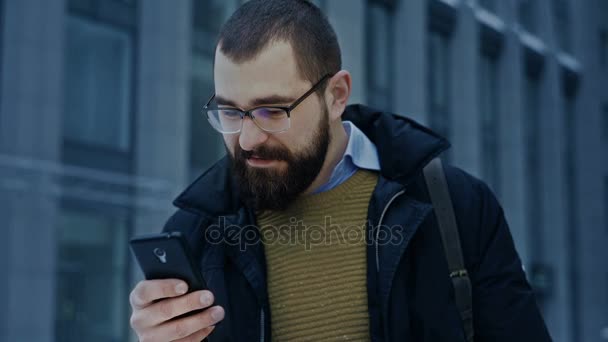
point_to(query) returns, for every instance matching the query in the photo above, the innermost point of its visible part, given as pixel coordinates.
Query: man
(317, 225)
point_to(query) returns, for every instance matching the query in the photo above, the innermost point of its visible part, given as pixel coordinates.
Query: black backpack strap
(442, 203)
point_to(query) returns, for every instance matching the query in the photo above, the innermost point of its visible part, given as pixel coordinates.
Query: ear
(337, 93)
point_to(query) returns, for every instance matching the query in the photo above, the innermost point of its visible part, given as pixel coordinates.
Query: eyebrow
(267, 100)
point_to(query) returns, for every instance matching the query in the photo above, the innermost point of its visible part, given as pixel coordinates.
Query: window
(541, 275)
(531, 129)
(489, 123)
(380, 55)
(207, 20)
(604, 120)
(206, 145)
(527, 11)
(92, 277)
(603, 48)
(571, 198)
(98, 85)
(489, 5)
(570, 161)
(561, 21)
(606, 203)
(92, 273)
(439, 83)
(209, 15)
(570, 158)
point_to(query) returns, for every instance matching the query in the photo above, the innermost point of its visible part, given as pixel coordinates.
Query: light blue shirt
(360, 153)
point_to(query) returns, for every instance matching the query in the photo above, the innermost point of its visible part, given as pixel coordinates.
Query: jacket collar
(404, 148)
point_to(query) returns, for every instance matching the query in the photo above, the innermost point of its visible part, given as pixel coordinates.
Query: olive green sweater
(316, 262)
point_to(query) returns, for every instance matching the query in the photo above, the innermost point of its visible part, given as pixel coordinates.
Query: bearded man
(317, 225)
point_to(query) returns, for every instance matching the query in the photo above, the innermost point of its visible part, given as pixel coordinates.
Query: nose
(251, 135)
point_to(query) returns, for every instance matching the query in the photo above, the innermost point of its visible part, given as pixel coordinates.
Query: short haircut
(257, 23)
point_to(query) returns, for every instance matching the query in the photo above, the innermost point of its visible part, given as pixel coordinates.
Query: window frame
(103, 210)
(373, 88)
(103, 12)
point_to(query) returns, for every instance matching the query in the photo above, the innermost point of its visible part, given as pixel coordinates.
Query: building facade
(101, 127)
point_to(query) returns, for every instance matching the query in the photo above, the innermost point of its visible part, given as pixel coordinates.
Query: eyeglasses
(272, 119)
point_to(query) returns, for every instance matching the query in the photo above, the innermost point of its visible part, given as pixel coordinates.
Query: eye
(229, 114)
(270, 113)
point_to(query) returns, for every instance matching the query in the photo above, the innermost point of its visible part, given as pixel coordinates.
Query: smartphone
(166, 255)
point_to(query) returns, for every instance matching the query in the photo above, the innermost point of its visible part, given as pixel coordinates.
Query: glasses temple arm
(210, 99)
(312, 90)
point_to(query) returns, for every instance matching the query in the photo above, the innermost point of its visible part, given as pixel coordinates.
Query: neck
(335, 152)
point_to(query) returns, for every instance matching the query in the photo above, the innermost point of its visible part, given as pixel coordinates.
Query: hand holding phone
(171, 304)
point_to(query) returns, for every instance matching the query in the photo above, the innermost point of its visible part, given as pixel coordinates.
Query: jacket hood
(404, 148)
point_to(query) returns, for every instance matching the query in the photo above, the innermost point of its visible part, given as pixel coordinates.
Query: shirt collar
(360, 153)
(359, 149)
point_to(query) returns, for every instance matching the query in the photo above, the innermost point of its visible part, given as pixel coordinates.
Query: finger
(148, 291)
(183, 327)
(167, 309)
(197, 336)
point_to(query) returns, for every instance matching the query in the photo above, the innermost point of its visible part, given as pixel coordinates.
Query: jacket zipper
(380, 224)
(262, 325)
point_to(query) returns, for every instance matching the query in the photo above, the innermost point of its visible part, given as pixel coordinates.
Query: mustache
(264, 152)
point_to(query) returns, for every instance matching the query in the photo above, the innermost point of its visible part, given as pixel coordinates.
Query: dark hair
(257, 23)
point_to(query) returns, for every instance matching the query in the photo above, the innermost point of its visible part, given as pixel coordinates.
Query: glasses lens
(271, 119)
(225, 120)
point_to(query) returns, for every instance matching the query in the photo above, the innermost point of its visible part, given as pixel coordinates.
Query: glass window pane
(438, 83)
(97, 85)
(379, 56)
(570, 160)
(209, 15)
(379, 45)
(91, 277)
(528, 15)
(489, 114)
(206, 144)
(605, 122)
(561, 20)
(531, 129)
(603, 48)
(489, 5)
(606, 203)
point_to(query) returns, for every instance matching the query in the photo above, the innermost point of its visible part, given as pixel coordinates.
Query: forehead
(273, 72)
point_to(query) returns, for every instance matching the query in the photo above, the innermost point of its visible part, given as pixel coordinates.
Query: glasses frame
(245, 113)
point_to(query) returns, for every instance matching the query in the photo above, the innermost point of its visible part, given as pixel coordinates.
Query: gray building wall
(71, 201)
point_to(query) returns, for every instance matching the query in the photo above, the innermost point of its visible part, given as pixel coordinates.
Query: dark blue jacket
(410, 294)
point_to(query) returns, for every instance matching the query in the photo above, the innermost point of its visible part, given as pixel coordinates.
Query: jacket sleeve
(504, 306)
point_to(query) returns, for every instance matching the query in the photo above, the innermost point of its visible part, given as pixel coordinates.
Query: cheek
(230, 141)
(303, 128)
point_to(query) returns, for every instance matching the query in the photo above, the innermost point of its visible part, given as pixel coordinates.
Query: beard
(274, 189)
